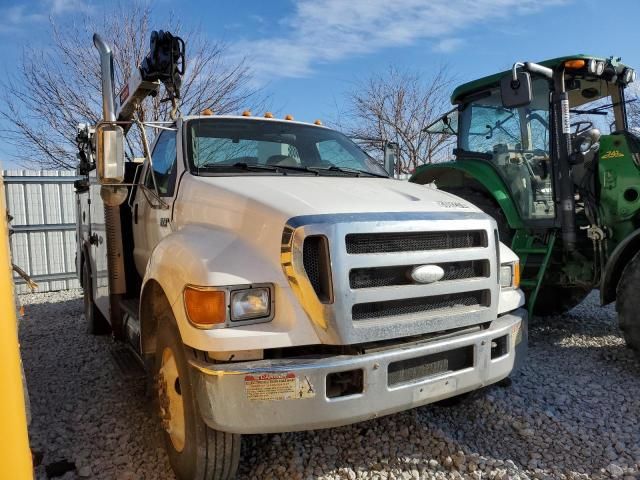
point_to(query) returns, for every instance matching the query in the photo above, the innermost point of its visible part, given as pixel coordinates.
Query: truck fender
(209, 256)
(616, 263)
(473, 174)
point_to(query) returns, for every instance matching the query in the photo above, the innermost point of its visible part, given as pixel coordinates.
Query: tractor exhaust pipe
(106, 70)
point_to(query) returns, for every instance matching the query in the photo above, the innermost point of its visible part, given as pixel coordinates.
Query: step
(541, 251)
(528, 283)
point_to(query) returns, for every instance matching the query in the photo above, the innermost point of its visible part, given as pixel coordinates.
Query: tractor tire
(96, 323)
(556, 300)
(628, 303)
(488, 206)
(196, 452)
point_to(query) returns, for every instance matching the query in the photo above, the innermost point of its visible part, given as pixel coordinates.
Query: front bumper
(284, 395)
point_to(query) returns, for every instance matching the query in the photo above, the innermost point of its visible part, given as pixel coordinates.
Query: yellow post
(15, 456)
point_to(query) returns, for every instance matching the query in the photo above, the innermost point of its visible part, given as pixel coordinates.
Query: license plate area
(419, 368)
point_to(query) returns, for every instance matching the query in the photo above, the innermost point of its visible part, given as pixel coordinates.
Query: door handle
(135, 213)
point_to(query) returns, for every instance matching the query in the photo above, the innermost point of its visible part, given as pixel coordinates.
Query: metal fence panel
(42, 204)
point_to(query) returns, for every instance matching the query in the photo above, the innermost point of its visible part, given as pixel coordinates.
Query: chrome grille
(369, 258)
(401, 274)
(409, 306)
(360, 243)
(315, 258)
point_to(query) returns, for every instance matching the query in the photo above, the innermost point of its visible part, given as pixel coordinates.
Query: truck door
(151, 215)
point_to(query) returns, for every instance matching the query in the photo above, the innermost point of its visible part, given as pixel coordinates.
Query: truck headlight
(250, 303)
(510, 275)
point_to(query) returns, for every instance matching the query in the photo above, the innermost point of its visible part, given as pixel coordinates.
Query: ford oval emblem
(427, 273)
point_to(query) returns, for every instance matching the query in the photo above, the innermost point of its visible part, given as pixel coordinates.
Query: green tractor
(547, 150)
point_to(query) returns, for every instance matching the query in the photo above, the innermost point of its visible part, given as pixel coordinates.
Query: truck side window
(164, 164)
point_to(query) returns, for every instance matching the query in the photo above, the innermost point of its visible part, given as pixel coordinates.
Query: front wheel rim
(171, 401)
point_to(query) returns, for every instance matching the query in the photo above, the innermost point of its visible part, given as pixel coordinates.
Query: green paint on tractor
(575, 231)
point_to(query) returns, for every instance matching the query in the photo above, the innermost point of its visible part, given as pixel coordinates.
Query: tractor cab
(546, 149)
(516, 141)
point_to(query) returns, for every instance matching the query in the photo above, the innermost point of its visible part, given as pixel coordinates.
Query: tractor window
(516, 142)
(593, 105)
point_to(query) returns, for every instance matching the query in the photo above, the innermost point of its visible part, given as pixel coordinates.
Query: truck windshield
(254, 146)
(516, 142)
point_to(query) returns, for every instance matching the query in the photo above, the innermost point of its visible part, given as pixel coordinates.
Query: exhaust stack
(106, 70)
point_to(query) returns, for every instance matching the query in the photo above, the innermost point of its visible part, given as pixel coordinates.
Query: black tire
(488, 206)
(96, 323)
(555, 299)
(552, 299)
(628, 303)
(205, 454)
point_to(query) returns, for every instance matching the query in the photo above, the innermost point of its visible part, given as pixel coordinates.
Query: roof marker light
(207, 112)
(288, 117)
(318, 122)
(268, 115)
(246, 113)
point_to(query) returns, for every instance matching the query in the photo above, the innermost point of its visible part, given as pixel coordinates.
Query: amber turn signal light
(516, 275)
(205, 308)
(575, 64)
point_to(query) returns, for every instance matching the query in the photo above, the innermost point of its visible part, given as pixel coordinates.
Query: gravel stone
(571, 413)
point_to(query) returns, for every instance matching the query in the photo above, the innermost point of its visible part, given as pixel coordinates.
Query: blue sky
(309, 53)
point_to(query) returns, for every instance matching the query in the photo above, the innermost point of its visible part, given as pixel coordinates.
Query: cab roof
(251, 118)
(494, 80)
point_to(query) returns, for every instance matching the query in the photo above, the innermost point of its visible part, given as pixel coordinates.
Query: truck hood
(292, 196)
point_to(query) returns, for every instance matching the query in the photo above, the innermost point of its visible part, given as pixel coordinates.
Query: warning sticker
(278, 386)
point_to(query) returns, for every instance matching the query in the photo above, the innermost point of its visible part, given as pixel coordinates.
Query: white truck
(272, 278)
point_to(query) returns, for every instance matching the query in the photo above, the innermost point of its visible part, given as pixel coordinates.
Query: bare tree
(59, 86)
(632, 95)
(396, 106)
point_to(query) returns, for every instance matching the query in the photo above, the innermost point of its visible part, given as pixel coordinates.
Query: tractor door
(515, 141)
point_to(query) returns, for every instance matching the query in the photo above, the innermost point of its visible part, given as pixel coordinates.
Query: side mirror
(516, 91)
(391, 154)
(110, 154)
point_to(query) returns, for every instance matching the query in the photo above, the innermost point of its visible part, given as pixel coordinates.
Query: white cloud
(332, 30)
(14, 18)
(448, 45)
(61, 6)
(21, 17)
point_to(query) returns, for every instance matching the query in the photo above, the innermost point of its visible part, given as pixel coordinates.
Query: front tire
(628, 303)
(196, 452)
(488, 206)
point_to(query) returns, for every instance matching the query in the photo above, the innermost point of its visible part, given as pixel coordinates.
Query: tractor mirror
(516, 92)
(391, 153)
(110, 154)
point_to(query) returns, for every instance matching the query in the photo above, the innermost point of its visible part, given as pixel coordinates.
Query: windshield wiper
(600, 110)
(242, 166)
(352, 171)
(268, 168)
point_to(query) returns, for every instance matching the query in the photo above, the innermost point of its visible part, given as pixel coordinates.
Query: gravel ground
(573, 412)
